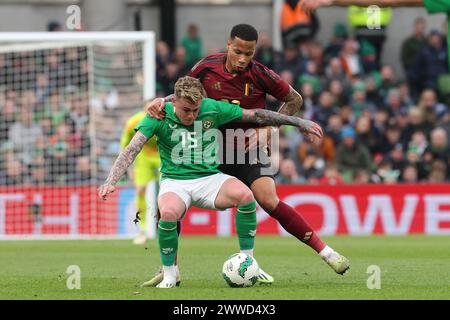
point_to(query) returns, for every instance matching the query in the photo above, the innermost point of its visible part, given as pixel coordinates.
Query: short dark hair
(245, 32)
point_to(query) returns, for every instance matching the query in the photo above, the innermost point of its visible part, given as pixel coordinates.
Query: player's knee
(267, 202)
(169, 214)
(245, 196)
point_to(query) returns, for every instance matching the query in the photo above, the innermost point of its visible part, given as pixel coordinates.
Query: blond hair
(190, 89)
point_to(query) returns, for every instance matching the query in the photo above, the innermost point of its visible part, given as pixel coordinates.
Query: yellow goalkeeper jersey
(147, 161)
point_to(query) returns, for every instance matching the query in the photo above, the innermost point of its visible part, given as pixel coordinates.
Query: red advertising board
(56, 210)
(347, 209)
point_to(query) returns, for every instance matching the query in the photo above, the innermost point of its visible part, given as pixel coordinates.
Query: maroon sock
(294, 223)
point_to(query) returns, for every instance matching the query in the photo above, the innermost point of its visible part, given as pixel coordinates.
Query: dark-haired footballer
(236, 78)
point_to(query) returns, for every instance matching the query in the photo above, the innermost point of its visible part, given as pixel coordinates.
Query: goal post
(64, 100)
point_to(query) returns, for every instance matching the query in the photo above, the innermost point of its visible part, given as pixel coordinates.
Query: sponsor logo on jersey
(207, 124)
(217, 86)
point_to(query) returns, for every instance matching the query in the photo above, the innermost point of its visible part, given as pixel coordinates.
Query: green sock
(246, 225)
(142, 208)
(168, 241)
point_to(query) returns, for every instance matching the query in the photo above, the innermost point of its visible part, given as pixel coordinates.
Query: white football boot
(337, 262)
(167, 283)
(158, 278)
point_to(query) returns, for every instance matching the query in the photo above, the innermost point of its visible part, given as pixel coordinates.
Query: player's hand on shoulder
(155, 108)
(104, 190)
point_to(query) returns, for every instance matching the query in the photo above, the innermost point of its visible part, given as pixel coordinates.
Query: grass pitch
(412, 267)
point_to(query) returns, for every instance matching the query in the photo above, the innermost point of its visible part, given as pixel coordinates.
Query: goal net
(64, 100)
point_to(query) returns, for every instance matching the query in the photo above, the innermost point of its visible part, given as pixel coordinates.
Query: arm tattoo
(270, 118)
(126, 158)
(292, 103)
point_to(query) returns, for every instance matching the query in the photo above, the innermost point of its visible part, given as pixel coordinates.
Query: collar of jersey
(170, 113)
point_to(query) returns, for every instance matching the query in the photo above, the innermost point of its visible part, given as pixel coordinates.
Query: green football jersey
(190, 152)
(440, 6)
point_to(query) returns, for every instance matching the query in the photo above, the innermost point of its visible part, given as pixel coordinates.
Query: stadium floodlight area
(64, 100)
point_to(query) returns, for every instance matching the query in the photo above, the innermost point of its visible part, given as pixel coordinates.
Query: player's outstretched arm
(120, 166)
(292, 103)
(270, 118)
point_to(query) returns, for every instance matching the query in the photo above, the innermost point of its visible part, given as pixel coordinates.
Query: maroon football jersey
(247, 89)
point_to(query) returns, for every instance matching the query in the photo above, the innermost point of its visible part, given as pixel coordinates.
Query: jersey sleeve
(271, 81)
(228, 112)
(148, 126)
(436, 6)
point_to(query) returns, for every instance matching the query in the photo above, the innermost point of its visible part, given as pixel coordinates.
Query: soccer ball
(240, 270)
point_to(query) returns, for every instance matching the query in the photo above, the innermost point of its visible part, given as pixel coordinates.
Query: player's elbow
(293, 103)
(300, 102)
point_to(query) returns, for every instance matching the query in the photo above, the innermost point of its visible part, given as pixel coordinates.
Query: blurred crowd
(379, 127)
(62, 109)
(44, 117)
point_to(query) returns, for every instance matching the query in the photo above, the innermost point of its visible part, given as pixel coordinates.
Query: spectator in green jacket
(351, 155)
(192, 43)
(412, 45)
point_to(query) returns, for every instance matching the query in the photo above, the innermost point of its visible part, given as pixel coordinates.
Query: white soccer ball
(240, 270)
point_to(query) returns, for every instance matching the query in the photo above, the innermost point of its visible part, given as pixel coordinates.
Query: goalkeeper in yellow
(145, 172)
